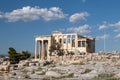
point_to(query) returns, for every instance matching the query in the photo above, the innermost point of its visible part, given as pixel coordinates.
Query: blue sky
(21, 20)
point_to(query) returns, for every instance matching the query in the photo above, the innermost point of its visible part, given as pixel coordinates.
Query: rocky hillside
(90, 70)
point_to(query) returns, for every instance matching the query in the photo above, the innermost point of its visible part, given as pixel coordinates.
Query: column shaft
(42, 56)
(40, 51)
(71, 41)
(76, 41)
(67, 42)
(62, 41)
(36, 49)
(48, 53)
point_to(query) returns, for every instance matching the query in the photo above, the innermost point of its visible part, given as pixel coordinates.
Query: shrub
(45, 79)
(114, 59)
(104, 78)
(86, 71)
(39, 69)
(70, 75)
(27, 76)
(15, 57)
(81, 63)
(24, 71)
(33, 71)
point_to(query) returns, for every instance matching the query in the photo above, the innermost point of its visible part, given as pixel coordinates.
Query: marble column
(85, 43)
(71, 41)
(40, 50)
(66, 42)
(62, 41)
(42, 54)
(48, 47)
(57, 39)
(76, 41)
(80, 43)
(36, 49)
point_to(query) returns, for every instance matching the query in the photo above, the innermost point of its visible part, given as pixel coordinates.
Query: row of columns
(82, 43)
(71, 38)
(41, 51)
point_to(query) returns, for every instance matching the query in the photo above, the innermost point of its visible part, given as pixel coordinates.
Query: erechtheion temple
(69, 42)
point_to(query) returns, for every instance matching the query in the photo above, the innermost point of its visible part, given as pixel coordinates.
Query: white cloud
(117, 30)
(78, 17)
(105, 36)
(117, 36)
(117, 26)
(80, 30)
(1, 15)
(101, 27)
(33, 13)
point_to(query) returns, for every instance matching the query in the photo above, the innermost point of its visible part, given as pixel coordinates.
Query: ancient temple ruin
(69, 42)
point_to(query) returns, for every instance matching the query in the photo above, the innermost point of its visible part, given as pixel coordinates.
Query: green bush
(81, 63)
(86, 71)
(39, 69)
(27, 76)
(105, 77)
(70, 75)
(15, 57)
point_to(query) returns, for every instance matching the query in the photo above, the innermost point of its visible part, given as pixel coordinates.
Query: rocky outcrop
(53, 74)
(75, 70)
(5, 66)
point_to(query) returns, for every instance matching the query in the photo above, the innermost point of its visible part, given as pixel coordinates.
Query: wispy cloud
(117, 26)
(78, 17)
(102, 37)
(117, 36)
(1, 15)
(80, 30)
(33, 13)
(101, 27)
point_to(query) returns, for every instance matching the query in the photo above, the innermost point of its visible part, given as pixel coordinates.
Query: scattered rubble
(84, 68)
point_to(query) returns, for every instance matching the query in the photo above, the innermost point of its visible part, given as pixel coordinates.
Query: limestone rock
(90, 75)
(53, 74)
(117, 75)
(40, 72)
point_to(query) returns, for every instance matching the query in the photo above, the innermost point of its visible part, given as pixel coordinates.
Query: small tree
(52, 49)
(25, 55)
(56, 47)
(13, 55)
(60, 53)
